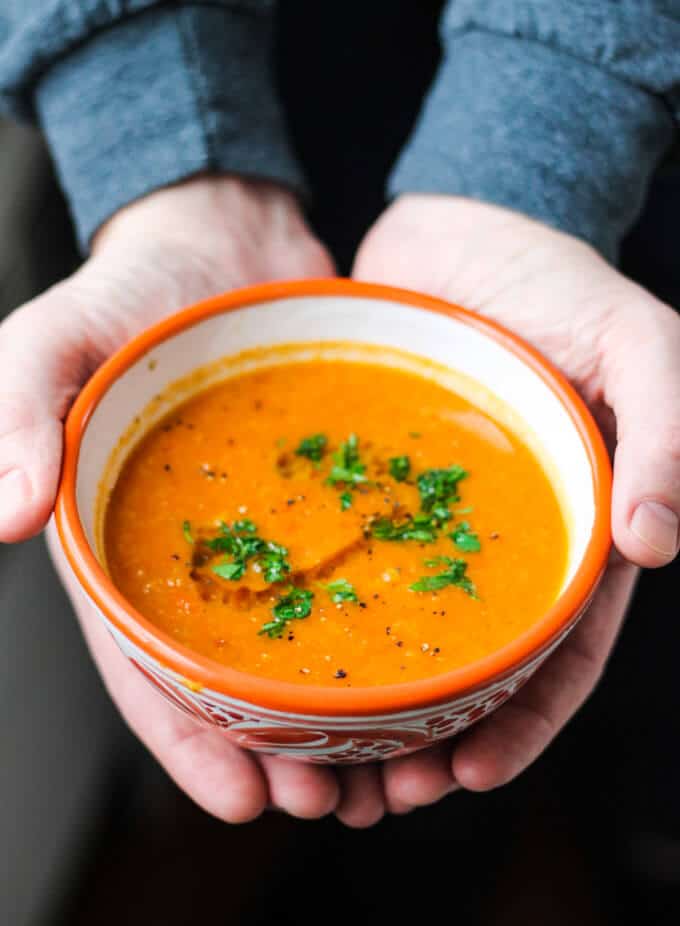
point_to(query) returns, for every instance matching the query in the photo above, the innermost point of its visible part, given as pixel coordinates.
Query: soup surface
(335, 523)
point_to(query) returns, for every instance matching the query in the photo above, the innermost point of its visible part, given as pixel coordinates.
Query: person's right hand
(172, 248)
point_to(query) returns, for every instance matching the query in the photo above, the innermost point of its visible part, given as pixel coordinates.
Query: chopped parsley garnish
(241, 543)
(347, 467)
(439, 486)
(452, 574)
(421, 527)
(312, 447)
(341, 590)
(465, 538)
(348, 470)
(441, 513)
(274, 563)
(400, 467)
(294, 605)
(232, 571)
(186, 530)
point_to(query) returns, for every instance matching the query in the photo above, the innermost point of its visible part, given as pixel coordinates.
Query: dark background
(591, 833)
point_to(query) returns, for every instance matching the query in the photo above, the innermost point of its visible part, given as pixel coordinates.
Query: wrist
(198, 208)
(476, 233)
(464, 213)
(226, 219)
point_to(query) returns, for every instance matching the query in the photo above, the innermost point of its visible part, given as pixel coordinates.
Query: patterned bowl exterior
(329, 740)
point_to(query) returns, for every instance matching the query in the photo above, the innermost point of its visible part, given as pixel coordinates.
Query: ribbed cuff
(160, 97)
(522, 125)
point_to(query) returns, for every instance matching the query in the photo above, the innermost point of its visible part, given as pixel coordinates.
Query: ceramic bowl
(319, 724)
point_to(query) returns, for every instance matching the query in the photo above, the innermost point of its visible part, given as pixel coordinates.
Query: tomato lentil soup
(334, 522)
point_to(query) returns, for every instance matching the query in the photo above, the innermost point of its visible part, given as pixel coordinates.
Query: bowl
(318, 724)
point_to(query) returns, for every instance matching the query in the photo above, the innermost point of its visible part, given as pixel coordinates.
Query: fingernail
(657, 526)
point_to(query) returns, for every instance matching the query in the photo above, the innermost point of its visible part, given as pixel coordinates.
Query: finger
(398, 808)
(40, 372)
(224, 780)
(500, 747)
(302, 790)
(361, 796)
(642, 385)
(419, 779)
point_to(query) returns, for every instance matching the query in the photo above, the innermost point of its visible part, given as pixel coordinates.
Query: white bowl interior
(527, 405)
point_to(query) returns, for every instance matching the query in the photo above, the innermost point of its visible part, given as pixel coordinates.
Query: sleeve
(559, 110)
(135, 94)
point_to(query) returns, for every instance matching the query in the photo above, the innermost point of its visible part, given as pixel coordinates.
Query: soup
(338, 523)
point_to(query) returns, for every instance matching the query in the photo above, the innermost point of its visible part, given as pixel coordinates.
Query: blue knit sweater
(561, 110)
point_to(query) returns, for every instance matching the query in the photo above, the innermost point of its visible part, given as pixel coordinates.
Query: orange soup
(332, 522)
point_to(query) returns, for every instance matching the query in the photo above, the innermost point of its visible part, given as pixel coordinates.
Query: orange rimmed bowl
(319, 724)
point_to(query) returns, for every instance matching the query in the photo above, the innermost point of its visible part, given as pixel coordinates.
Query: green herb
(241, 543)
(439, 486)
(345, 501)
(414, 434)
(231, 571)
(465, 538)
(341, 590)
(186, 530)
(312, 447)
(274, 563)
(454, 573)
(441, 513)
(347, 467)
(421, 527)
(400, 467)
(294, 605)
(237, 542)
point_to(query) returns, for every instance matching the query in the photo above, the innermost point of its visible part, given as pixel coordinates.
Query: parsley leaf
(341, 590)
(274, 564)
(347, 467)
(232, 571)
(241, 543)
(294, 605)
(452, 574)
(312, 447)
(345, 501)
(421, 527)
(465, 539)
(439, 486)
(400, 467)
(186, 530)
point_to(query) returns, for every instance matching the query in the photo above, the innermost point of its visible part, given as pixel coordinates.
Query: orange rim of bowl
(289, 697)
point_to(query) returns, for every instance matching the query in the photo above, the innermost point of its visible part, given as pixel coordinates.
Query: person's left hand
(620, 347)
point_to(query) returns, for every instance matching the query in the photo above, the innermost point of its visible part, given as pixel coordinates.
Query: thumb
(42, 366)
(642, 385)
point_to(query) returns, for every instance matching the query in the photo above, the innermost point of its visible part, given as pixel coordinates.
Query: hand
(174, 247)
(620, 347)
